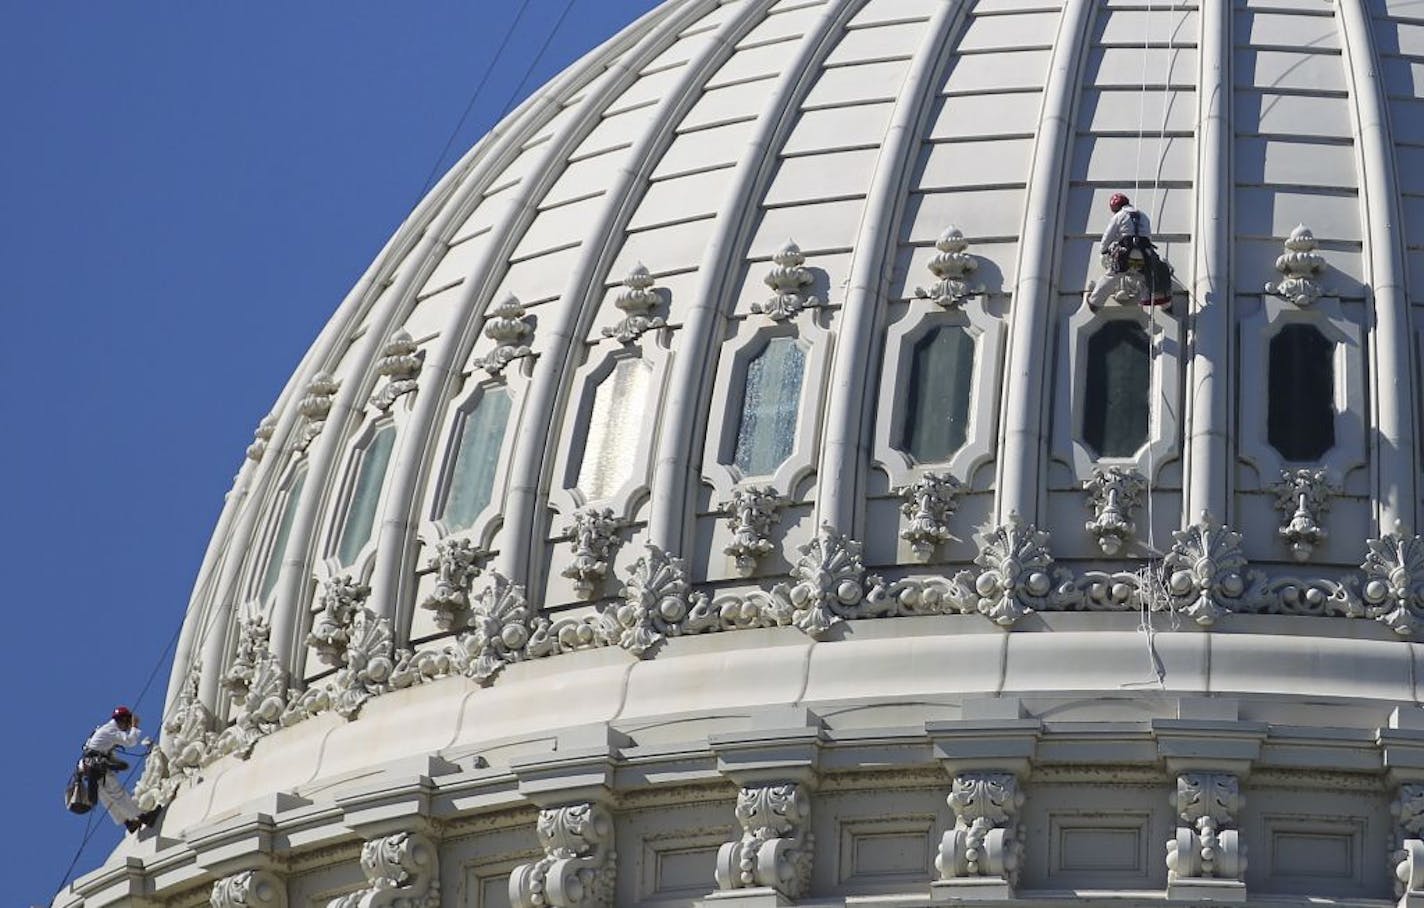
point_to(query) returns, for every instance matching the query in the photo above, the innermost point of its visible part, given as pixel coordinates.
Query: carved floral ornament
(1303, 497)
(987, 840)
(262, 437)
(789, 279)
(952, 266)
(1300, 267)
(510, 329)
(1206, 844)
(315, 405)
(399, 365)
(636, 301)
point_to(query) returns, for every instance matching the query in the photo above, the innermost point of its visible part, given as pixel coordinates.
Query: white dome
(765, 322)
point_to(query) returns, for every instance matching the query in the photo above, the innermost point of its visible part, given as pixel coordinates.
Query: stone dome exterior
(719, 488)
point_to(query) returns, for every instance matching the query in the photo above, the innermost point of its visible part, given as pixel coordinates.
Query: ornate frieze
(1303, 497)
(1300, 266)
(249, 889)
(1018, 575)
(986, 840)
(752, 512)
(1113, 494)
(315, 405)
(1206, 844)
(789, 278)
(594, 538)
(262, 438)
(776, 846)
(637, 301)
(1393, 590)
(579, 865)
(402, 871)
(1204, 571)
(658, 602)
(340, 598)
(184, 748)
(457, 564)
(399, 365)
(952, 266)
(509, 327)
(929, 502)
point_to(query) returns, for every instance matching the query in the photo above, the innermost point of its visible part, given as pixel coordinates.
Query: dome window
(278, 551)
(615, 429)
(1300, 413)
(771, 402)
(941, 384)
(370, 477)
(472, 476)
(1116, 399)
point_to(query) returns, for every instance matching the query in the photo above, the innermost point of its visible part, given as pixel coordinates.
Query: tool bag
(81, 792)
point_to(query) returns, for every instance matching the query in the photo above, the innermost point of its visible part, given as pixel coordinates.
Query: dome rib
(1393, 441)
(1021, 433)
(1210, 352)
(532, 461)
(841, 473)
(394, 576)
(694, 368)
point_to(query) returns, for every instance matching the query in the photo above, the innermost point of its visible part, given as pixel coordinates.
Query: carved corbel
(1207, 845)
(315, 405)
(952, 266)
(1303, 497)
(929, 502)
(753, 511)
(261, 438)
(578, 869)
(776, 847)
(594, 537)
(1393, 592)
(1205, 571)
(508, 326)
(456, 564)
(637, 301)
(1113, 494)
(788, 279)
(402, 871)
(399, 365)
(249, 889)
(1300, 266)
(1406, 856)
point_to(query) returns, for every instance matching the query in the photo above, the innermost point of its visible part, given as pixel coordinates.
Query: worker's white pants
(115, 800)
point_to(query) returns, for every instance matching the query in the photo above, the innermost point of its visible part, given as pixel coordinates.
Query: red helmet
(121, 712)
(1117, 201)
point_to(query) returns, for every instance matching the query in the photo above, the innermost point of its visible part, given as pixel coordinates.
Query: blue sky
(188, 191)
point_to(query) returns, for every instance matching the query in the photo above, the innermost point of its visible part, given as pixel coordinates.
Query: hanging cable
(537, 58)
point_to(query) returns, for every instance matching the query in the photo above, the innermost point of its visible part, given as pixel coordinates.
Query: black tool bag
(81, 792)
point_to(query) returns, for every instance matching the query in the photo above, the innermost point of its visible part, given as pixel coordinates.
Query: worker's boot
(133, 825)
(150, 817)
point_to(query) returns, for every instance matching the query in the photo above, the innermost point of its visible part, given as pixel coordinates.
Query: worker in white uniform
(1129, 231)
(100, 764)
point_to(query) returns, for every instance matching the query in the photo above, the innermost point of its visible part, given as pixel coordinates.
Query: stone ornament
(1394, 581)
(500, 628)
(1204, 571)
(399, 365)
(457, 564)
(341, 597)
(402, 871)
(637, 301)
(1406, 856)
(315, 405)
(249, 889)
(511, 330)
(365, 662)
(1207, 844)
(579, 866)
(1113, 494)
(952, 266)
(1300, 266)
(1303, 497)
(183, 749)
(788, 280)
(929, 503)
(261, 438)
(257, 683)
(753, 511)
(657, 603)
(986, 840)
(776, 847)
(1018, 574)
(594, 536)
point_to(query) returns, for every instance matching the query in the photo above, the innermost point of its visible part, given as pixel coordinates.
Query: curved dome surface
(729, 429)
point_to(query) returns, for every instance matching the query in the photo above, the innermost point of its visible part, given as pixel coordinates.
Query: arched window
(1300, 413)
(941, 380)
(771, 398)
(366, 494)
(616, 424)
(278, 550)
(1119, 384)
(472, 475)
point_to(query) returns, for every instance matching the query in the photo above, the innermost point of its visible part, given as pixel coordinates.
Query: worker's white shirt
(108, 736)
(1121, 226)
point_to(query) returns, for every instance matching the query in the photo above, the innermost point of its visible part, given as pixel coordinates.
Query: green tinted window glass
(766, 433)
(1119, 383)
(472, 478)
(361, 513)
(279, 544)
(941, 382)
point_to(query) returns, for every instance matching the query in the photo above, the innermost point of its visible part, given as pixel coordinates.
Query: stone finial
(315, 405)
(510, 329)
(929, 502)
(1301, 267)
(1113, 494)
(399, 365)
(637, 301)
(1303, 497)
(788, 280)
(262, 437)
(594, 536)
(952, 265)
